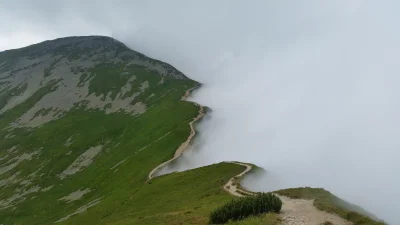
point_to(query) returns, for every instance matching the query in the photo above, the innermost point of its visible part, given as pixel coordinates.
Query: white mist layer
(309, 90)
(313, 101)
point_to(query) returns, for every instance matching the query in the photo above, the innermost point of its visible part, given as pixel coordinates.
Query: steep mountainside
(83, 122)
(91, 72)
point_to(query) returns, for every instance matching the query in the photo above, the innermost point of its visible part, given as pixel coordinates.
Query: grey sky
(306, 89)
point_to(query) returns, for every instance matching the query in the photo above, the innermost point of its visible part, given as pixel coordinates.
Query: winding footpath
(232, 185)
(184, 146)
(303, 212)
(293, 212)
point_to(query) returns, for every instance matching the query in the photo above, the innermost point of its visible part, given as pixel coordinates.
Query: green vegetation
(107, 78)
(33, 161)
(178, 198)
(130, 147)
(264, 219)
(11, 115)
(9, 93)
(122, 136)
(48, 71)
(328, 202)
(245, 207)
(327, 223)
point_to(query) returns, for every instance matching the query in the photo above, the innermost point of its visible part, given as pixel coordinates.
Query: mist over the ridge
(306, 89)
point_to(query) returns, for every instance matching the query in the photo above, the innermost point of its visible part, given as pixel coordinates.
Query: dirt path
(294, 211)
(303, 212)
(184, 146)
(232, 185)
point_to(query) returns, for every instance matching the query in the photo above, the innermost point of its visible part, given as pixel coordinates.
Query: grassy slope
(326, 201)
(138, 144)
(122, 137)
(179, 198)
(266, 219)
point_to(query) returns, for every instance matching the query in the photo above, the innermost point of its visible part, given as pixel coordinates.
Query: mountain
(85, 122)
(92, 72)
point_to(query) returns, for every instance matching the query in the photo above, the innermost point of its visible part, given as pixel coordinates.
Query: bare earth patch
(18, 197)
(4, 157)
(80, 210)
(47, 188)
(10, 180)
(9, 136)
(118, 164)
(81, 162)
(75, 195)
(13, 149)
(69, 142)
(30, 178)
(14, 162)
(71, 94)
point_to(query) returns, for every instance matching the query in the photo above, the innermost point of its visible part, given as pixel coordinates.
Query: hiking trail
(184, 146)
(294, 211)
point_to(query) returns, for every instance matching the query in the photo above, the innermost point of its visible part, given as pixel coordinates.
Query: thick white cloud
(306, 89)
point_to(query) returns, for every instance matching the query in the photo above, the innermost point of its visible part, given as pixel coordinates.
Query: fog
(308, 90)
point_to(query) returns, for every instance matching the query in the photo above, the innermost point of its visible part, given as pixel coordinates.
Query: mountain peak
(94, 72)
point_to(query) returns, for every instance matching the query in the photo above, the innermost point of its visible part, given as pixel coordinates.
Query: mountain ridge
(79, 67)
(84, 120)
(59, 42)
(79, 120)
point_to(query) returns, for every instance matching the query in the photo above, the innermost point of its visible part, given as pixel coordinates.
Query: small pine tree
(245, 207)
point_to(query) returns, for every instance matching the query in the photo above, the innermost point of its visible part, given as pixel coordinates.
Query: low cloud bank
(313, 101)
(307, 90)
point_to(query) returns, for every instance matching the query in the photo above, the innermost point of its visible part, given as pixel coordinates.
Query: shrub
(247, 206)
(327, 223)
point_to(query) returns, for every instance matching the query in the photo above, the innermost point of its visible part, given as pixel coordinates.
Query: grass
(265, 219)
(90, 129)
(178, 198)
(107, 78)
(136, 144)
(11, 115)
(140, 142)
(326, 201)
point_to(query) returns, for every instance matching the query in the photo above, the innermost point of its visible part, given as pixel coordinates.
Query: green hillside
(83, 120)
(84, 157)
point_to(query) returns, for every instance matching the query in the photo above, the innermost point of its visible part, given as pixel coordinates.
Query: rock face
(92, 72)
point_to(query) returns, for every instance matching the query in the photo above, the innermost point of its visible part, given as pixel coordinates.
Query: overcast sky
(306, 89)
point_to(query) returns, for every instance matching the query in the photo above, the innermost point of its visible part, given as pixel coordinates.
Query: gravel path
(233, 188)
(303, 212)
(294, 211)
(184, 146)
